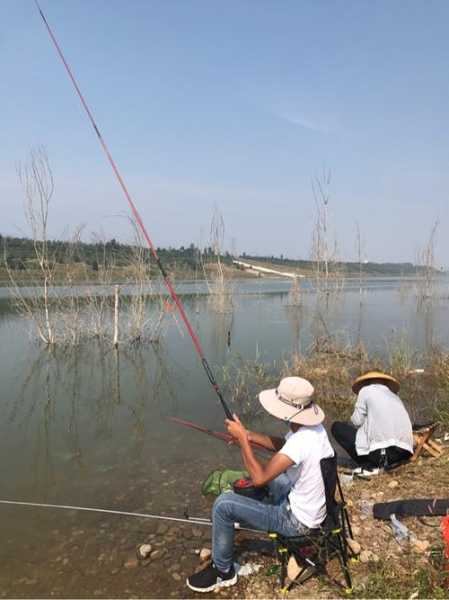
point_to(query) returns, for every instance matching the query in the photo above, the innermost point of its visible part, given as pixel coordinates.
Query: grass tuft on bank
(332, 368)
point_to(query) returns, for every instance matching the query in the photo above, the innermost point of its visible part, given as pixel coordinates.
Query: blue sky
(235, 104)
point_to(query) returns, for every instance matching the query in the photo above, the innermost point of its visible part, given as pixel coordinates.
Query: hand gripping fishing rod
(137, 217)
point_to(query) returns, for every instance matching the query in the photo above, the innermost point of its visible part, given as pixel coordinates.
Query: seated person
(297, 500)
(380, 432)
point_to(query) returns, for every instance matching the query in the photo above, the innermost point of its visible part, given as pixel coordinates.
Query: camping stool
(422, 437)
(303, 556)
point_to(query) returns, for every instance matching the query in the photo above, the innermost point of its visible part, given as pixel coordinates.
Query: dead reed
(80, 304)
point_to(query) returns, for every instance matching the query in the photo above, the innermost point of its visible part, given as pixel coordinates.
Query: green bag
(221, 481)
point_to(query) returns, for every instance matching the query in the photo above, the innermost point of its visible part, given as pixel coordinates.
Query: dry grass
(332, 367)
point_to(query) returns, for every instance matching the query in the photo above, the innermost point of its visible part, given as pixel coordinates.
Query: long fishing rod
(139, 221)
(219, 435)
(191, 520)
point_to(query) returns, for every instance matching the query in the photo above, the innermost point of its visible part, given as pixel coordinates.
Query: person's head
(292, 402)
(373, 377)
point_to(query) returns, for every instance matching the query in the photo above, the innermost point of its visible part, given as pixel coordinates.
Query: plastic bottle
(400, 531)
(247, 569)
(366, 509)
(346, 480)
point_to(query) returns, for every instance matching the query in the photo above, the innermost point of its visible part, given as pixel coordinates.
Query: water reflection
(220, 334)
(80, 410)
(295, 316)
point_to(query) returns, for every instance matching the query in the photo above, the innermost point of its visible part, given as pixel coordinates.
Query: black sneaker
(211, 579)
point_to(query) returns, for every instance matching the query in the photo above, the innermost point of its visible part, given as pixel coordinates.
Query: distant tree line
(19, 255)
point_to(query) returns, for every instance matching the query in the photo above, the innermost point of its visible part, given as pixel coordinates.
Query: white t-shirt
(306, 447)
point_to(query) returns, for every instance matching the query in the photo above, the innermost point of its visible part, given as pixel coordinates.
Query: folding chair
(313, 550)
(422, 437)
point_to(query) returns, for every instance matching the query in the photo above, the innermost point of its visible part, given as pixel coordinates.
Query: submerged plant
(220, 288)
(242, 381)
(66, 301)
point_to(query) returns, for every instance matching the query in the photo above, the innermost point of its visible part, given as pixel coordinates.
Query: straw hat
(388, 380)
(292, 401)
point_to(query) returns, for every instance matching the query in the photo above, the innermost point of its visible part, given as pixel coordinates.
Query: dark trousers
(344, 433)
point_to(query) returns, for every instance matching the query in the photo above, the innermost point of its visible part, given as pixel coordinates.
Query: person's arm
(270, 442)
(260, 474)
(360, 410)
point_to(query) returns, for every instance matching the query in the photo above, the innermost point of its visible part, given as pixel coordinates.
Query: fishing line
(137, 217)
(191, 520)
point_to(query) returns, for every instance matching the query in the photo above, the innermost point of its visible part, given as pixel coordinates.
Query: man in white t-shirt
(293, 477)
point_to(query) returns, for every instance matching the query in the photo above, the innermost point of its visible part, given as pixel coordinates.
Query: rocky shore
(103, 558)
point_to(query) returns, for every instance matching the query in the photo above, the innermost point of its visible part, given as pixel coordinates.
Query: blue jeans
(230, 508)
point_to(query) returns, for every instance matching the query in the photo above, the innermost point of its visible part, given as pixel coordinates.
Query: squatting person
(380, 431)
(296, 501)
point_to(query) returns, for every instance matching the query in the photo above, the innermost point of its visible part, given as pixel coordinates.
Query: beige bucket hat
(292, 401)
(365, 379)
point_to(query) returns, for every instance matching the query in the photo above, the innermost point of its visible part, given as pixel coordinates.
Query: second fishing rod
(194, 337)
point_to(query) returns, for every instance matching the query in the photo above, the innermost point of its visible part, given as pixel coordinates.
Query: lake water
(88, 427)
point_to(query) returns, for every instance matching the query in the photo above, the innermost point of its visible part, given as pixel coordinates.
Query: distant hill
(19, 255)
(349, 268)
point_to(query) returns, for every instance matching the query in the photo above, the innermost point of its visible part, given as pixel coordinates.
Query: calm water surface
(88, 426)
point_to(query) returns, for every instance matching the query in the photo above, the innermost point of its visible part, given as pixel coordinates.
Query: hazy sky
(237, 104)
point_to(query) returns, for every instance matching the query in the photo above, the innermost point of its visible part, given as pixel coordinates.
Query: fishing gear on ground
(221, 480)
(423, 507)
(227, 480)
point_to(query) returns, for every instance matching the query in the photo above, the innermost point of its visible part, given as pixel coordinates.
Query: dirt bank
(96, 556)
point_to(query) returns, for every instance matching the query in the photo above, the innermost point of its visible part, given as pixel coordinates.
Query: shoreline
(96, 557)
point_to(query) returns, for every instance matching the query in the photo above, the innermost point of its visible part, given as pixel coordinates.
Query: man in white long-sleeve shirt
(380, 432)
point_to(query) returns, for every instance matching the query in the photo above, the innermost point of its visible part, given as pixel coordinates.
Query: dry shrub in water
(83, 308)
(243, 380)
(220, 289)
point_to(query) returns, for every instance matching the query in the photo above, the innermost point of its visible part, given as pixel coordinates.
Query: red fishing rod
(137, 217)
(219, 435)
